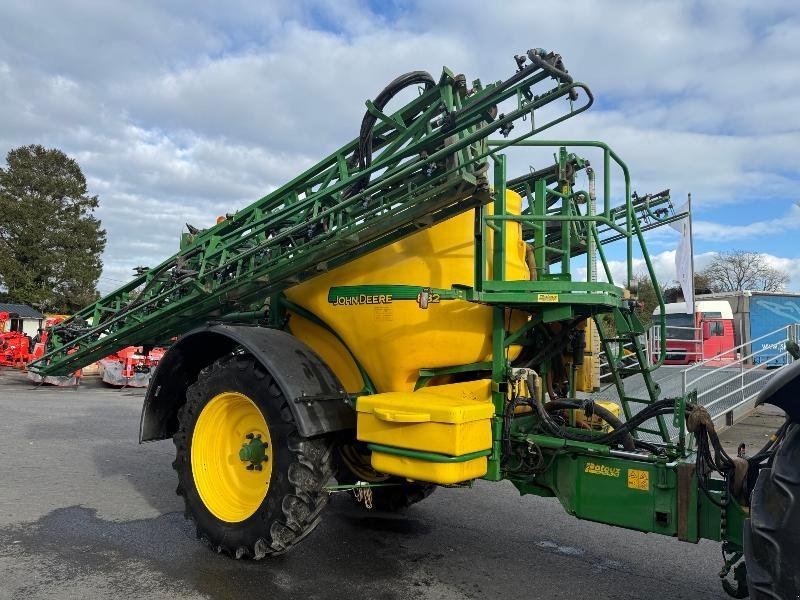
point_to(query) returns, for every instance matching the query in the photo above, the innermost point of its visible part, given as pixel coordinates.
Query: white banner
(684, 265)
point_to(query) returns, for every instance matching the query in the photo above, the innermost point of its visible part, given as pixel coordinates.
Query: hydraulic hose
(554, 65)
(363, 156)
(627, 440)
(733, 470)
(769, 446)
(661, 407)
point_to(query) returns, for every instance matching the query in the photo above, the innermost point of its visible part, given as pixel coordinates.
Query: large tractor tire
(251, 484)
(393, 494)
(772, 533)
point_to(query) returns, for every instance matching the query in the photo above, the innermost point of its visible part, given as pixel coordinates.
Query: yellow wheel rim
(230, 490)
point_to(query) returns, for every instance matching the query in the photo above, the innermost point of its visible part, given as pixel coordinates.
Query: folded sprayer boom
(422, 164)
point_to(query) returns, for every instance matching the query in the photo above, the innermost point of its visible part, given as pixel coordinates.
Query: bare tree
(741, 270)
(674, 293)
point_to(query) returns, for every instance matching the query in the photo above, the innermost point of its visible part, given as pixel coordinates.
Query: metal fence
(605, 368)
(724, 388)
(628, 356)
(683, 343)
(727, 384)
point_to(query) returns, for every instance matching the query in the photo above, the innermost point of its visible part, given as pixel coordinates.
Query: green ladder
(629, 331)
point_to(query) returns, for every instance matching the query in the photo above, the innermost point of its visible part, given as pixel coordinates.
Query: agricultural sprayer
(404, 314)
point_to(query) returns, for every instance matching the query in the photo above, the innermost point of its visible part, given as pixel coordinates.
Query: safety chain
(363, 494)
(723, 511)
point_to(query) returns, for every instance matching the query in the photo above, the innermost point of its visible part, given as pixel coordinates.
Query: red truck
(694, 337)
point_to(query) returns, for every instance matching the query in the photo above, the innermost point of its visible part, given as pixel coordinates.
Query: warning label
(638, 479)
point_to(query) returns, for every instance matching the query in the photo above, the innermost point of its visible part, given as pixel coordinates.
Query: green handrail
(632, 226)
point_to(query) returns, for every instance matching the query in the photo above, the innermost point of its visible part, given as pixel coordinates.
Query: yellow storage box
(424, 470)
(449, 419)
(439, 434)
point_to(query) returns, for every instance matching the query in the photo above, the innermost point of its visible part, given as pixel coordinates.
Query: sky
(178, 112)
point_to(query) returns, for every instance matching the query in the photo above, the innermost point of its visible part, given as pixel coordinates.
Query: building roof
(23, 310)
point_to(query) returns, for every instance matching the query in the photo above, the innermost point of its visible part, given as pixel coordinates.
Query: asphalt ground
(86, 512)
(754, 431)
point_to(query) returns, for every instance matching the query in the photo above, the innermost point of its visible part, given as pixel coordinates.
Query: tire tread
(309, 471)
(772, 533)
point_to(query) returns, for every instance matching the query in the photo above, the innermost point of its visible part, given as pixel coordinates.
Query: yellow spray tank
(391, 339)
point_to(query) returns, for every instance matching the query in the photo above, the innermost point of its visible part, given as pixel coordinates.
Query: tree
(646, 294)
(741, 270)
(674, 291)
(50, 242)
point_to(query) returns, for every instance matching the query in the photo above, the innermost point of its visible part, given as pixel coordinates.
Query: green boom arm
(422, 164)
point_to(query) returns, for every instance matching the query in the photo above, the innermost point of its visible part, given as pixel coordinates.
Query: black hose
(627, 440)
(653, 448)
(661, 407)
(554, 344)
(508, 417)
(699, 422)
(774, 439)
(363, 156)
(708, 433)
(553, 64)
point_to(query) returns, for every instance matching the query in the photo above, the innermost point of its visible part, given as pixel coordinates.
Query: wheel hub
(231, 455)
(253, 452)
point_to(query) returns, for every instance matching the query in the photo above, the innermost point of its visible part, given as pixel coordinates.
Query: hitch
(362, 490)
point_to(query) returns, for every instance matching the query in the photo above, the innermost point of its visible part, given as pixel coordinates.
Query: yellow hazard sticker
(547, 298)
(638, 479)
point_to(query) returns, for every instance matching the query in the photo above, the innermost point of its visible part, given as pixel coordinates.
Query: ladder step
(637, 400)
(627, 333)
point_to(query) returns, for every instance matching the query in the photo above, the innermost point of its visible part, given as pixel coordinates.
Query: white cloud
(664, 267)
(708, 230)
(788, 265)
(182, 112)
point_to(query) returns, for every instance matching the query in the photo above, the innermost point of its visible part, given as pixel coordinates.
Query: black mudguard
(783, 391)
(317, 399)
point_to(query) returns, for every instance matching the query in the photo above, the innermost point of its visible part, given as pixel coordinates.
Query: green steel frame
(552, 298)
(657, 493)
